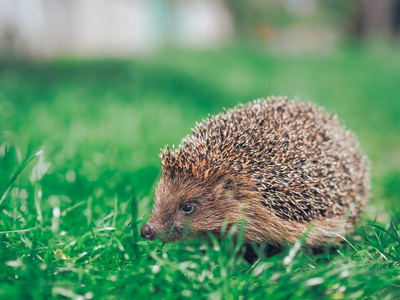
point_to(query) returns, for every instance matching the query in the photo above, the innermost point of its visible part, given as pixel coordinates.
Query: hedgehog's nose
(147, 232)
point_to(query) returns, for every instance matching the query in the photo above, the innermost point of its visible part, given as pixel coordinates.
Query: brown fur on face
(280, 165)
(214, 199)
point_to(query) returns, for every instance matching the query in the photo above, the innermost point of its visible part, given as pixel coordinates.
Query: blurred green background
(102, 114)
(114, 115)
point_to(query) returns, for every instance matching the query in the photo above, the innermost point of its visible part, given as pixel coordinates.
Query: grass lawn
(70, 213)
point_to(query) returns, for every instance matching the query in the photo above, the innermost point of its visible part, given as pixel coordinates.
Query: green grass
(69, 216)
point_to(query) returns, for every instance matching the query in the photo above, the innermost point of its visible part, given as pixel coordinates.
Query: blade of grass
(386, 231)
(115, 211)
(166, 239)
(134, 209)
(21, 167)
(19, 231)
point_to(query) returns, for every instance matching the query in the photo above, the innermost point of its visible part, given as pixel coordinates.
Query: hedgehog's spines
(297, 155)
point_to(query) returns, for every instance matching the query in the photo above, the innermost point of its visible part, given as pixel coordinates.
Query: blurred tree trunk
(376, 18)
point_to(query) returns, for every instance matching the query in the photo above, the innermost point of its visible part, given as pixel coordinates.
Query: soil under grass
(69, 214)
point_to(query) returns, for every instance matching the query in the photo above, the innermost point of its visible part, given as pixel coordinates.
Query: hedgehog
(282, 166)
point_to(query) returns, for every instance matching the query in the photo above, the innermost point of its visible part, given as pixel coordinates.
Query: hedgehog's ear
(226, 188)
(229, 184)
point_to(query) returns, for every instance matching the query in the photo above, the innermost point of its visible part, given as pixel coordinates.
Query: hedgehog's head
(191, 202)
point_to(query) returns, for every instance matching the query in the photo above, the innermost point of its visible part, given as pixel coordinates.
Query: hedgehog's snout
(147, 232)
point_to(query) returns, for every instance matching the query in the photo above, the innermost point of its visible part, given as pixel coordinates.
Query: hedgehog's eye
(187, 208)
